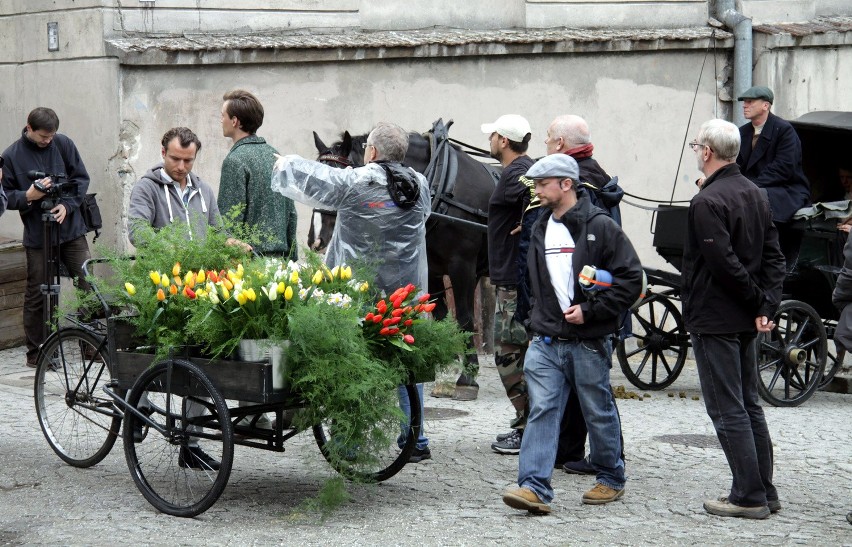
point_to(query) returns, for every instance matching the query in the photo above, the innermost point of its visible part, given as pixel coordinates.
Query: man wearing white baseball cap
(508, 139)
(571, 344)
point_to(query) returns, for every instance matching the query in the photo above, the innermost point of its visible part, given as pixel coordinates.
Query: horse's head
(347, 152)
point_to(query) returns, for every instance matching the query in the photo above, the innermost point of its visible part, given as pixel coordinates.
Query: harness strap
(335, 158)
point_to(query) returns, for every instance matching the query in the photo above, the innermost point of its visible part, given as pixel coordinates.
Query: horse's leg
(463, 278)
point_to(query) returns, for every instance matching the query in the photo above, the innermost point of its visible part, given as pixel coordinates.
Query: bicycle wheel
(653, 357)
(187, 413)
(791, 358)
(77, 418)
(382, 457)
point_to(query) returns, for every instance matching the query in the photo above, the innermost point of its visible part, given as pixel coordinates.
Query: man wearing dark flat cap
(771, 157)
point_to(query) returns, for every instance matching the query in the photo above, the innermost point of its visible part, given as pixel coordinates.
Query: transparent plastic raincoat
(370, 228)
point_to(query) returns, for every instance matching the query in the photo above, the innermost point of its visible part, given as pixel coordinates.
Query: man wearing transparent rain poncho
(382, 209)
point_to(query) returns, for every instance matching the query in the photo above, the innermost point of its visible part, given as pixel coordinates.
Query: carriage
(796, 358)
(93, 377)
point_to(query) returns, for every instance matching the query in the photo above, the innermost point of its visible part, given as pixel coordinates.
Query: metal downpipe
(743, 44)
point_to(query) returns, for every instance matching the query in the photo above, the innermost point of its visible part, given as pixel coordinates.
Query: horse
(456, 241)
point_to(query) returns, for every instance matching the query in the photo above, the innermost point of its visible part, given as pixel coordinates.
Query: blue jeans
(552, 372)
(727, 369)
(405, 406)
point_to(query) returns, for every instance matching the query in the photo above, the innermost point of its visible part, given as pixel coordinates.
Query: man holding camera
(45, 180)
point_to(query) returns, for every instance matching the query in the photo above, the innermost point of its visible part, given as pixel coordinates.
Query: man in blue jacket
(771, 157)
(42, 149)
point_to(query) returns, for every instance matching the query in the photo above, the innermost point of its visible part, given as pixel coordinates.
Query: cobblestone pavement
(673, 463)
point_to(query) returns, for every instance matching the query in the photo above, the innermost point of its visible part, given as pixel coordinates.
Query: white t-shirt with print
(558, 252)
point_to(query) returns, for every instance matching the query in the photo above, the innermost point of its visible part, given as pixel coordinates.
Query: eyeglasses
(694, 145)
(365, 145)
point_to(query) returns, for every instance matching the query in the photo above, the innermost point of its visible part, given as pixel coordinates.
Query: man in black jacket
(770, 156)
(508, 139)
(570, 348)
(733, 270)
(41, 148)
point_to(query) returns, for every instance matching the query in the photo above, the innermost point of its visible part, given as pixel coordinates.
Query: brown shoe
(525, 500)
(724, 508)
(601, 494)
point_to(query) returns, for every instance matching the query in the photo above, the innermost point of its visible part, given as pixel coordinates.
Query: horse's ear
(346, 145)
(321, 147)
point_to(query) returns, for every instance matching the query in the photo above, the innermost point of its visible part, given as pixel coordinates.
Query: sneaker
(194, 458)
(419, 455)
(723, 508)
(601, 494)
(510, 445)
(525, 500)
(774, 505)
(579, 467)
(504, 436)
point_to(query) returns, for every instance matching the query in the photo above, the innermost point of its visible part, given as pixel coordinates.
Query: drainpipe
(741, 26)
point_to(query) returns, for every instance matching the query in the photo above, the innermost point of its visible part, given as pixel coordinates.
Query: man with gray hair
(382, 209)
(733, 270)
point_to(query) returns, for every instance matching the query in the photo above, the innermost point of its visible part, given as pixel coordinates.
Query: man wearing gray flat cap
(771, 157)
(573, 314)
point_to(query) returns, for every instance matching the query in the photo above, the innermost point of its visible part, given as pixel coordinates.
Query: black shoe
(503, 436)
(511, 445)
(579, 467)
(419, 455)
(31, 362)
(195, 458)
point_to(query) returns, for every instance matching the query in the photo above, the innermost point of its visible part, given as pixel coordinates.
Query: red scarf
(581, 152)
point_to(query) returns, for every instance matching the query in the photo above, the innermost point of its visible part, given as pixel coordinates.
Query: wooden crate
(13, 284)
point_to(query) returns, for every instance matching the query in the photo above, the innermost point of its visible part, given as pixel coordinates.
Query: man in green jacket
(246, 176)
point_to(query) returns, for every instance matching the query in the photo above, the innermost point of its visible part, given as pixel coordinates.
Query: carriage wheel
(791, 358)
(832, 366)
(653, 355)
(184, 407)
(77, 418)
(383, 457)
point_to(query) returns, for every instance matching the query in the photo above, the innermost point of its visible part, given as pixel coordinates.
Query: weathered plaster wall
(638, 106)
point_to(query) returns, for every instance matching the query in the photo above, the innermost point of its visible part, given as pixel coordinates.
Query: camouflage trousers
(510, 345)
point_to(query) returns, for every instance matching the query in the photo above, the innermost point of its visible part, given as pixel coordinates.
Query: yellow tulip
(155, 277)
(189, 279)
(200, 278)
(200, 293)
(164, 279)
(294, 277)
(364, 286)
(227, 284)
(346, 273)
(281, 287)
(317, 278)
(226, 294)
(176, 269)
(241, 298)
(161, 295)
(250, 294)
(240, 270)
(131, 290)
(288, 293)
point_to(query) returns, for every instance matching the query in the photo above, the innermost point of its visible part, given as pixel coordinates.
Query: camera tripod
(50, 263)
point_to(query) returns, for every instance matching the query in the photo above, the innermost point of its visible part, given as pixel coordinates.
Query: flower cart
(184, 407)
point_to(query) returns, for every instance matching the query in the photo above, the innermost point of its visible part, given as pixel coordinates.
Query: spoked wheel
(183, 461)
(77, 417)
(791, 358)
(381, 457)
(653, 356)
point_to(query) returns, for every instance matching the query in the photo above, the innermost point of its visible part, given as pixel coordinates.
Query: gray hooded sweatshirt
(156, 201)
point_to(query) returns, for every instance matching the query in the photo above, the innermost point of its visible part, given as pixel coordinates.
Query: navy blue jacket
(60, 156)
(775, 164)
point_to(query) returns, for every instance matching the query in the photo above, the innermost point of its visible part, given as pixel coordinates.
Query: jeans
(727, 369)
(553, 370)
(405, 406)
(71, 253)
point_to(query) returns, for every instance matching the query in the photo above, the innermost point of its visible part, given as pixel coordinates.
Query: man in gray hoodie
(171, 192)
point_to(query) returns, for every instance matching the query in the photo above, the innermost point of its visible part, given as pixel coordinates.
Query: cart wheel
(791, 359)
(183, 406)
(77, 418)
(653, 356)
(832, 366)
(385, 458)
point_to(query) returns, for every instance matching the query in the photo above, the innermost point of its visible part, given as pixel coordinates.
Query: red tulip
(408, 339)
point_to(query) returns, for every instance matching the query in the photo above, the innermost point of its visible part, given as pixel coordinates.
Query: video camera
(58, 189)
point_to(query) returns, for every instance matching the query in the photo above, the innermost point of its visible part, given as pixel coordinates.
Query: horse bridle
(341, 161)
